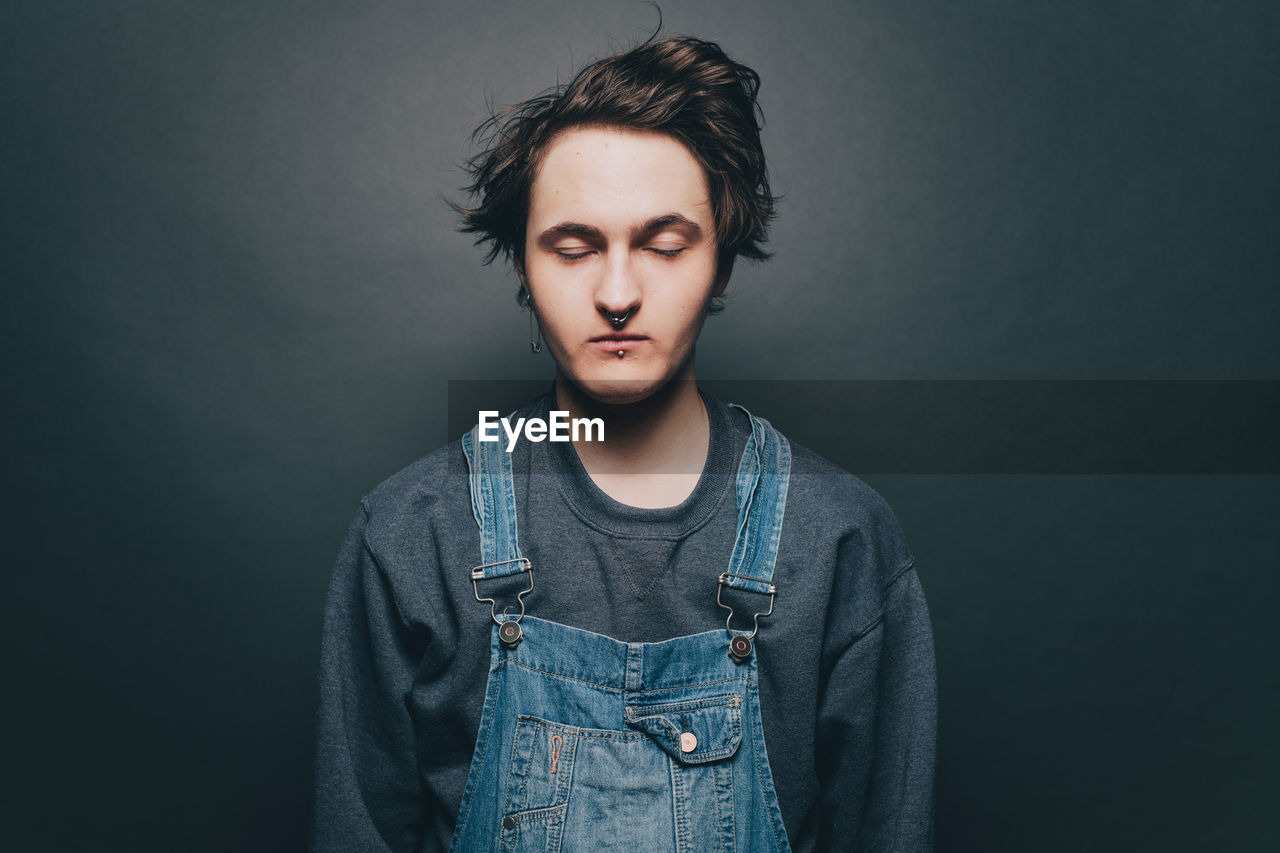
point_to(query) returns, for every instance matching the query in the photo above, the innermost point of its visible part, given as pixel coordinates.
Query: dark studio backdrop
(234, 300)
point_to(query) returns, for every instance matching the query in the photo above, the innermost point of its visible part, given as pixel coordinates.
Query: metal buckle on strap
(477, 574)
(740, 644)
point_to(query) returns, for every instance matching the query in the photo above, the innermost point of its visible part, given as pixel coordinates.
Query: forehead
(616, 177)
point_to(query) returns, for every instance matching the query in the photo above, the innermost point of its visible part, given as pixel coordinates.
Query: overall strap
(763, 476)
(493, 501)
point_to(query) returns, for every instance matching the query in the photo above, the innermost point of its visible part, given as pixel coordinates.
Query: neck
(654, 449)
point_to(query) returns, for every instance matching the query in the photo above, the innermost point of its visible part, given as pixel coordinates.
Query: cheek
(694, 291)
(547, 283)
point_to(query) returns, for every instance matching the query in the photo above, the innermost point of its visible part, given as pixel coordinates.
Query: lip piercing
(621, 353)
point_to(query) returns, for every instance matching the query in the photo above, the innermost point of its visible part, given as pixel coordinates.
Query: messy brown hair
(681, 86)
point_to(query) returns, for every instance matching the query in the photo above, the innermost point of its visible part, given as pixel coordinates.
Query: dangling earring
(536, 344)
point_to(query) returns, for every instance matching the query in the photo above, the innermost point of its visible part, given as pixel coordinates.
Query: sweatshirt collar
(602, 512)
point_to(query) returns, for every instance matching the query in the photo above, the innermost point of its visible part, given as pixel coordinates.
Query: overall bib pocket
(696, 731)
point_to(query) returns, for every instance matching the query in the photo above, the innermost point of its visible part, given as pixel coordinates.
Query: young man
(526, 649)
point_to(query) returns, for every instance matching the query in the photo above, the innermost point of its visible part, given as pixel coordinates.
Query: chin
(617, 391)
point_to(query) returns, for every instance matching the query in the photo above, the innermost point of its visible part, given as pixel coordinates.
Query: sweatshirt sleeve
(368, 793)
(877, 716)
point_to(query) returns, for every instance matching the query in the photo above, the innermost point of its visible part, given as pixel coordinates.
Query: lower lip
(613, 347)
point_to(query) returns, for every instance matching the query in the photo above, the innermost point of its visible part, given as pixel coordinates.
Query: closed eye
(666, 253)
(574, 256)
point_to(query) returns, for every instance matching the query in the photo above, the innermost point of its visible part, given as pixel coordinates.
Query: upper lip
(619, 336)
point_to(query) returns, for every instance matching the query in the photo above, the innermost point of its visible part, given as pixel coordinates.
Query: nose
(618, 292)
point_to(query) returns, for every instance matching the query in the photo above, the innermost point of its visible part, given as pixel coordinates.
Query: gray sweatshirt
(847, 685)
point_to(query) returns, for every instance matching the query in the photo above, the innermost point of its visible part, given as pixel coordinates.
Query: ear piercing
(535, 343)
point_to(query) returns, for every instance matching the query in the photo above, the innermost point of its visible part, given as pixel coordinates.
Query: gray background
(234, 299)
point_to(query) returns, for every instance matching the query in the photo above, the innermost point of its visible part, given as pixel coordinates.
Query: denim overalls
(590, 744)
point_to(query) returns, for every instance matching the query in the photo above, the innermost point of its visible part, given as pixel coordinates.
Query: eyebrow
(691, 229)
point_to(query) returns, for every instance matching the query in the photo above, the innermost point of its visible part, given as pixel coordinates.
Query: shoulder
(427, 505)
(839, 497)
(847, 540)
(411, 506)
(826, 503)
(830, 510)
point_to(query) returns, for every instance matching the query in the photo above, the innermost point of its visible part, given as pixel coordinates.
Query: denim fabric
(587, 743)
(493, 502)
(763, 476)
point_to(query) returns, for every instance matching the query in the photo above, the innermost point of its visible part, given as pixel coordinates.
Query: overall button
(510, 634)
(508, 823)
(688, 742)
(739, 648)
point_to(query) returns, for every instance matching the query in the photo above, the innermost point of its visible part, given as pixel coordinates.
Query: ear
(525, 297)
(723, 272)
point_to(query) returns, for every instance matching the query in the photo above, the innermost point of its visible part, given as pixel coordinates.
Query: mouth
(614, 343)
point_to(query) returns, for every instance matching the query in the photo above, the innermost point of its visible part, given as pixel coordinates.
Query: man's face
(620, 221)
